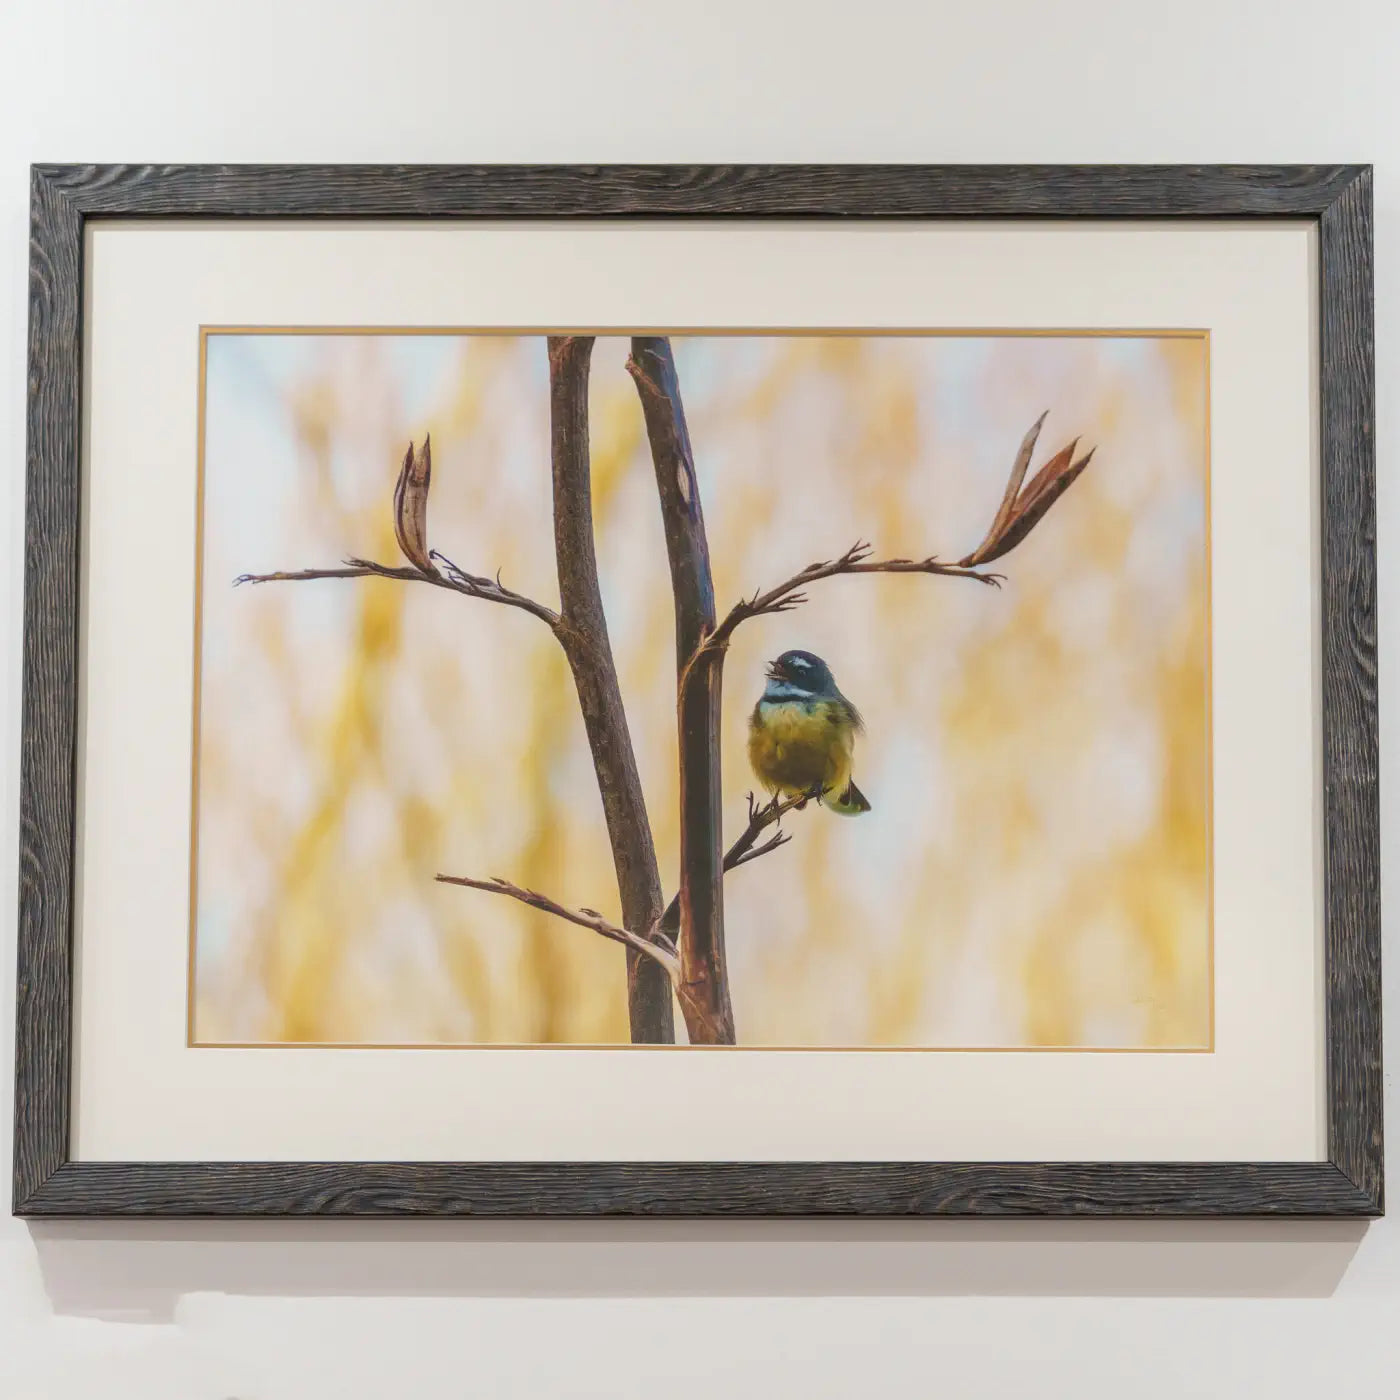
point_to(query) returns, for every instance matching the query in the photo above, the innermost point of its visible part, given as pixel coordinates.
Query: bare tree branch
(449, 577)
(583, 633)
(426, 565)
(1019, 513)
(779, 838)
(683, 946)
(700, 675)
(704, 988)
(856, 560)
(761, 817)
(660, 950)
(745, 849)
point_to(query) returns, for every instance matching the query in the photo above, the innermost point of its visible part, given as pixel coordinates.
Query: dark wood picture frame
(48, 1182)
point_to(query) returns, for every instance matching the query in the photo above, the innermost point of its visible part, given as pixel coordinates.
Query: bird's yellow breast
(798, 745)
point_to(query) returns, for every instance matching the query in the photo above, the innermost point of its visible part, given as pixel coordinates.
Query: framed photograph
(695, 691)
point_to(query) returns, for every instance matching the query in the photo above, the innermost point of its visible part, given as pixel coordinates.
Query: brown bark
(583, 633)
(655, 947)
(704, 984)
(684, 945)
(1019, 513)
(746, 848)
(445, 575)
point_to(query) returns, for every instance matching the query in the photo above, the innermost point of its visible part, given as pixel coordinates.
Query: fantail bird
(802, 734)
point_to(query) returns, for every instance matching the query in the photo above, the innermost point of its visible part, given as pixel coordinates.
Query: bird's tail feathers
(850, 803)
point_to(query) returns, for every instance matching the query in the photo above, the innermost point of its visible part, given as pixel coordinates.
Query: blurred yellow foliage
(1036, 868)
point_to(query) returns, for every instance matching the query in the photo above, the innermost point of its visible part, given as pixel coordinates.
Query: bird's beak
(772, 672)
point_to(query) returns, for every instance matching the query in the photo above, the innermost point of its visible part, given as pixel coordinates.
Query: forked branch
(581, 630)
(451, 577)
(1019, 513)
(746, 848)
(856, 560)
(659, 949)
(424, 565)
(762, 815)
(680, 947)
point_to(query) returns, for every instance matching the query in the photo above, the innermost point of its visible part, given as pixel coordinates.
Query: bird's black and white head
(799, 675)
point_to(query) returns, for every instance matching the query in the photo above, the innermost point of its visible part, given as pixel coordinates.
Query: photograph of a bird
(802, 734)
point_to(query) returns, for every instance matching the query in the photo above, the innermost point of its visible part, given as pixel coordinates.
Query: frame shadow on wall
(140, 1271)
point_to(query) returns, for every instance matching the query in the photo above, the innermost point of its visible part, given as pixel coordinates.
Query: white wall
(266, 1311)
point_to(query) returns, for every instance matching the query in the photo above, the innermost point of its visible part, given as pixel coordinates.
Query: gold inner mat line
(721, 1049)
(796, 332)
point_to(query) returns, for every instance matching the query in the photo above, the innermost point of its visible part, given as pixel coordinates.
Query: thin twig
(448, 576)
(657, 948)
(778, 838)
(761, 817)
(856, 560)
(746, 848)
(1017, 515)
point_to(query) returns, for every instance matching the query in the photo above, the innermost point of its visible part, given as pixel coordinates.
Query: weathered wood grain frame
(48, 1182)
